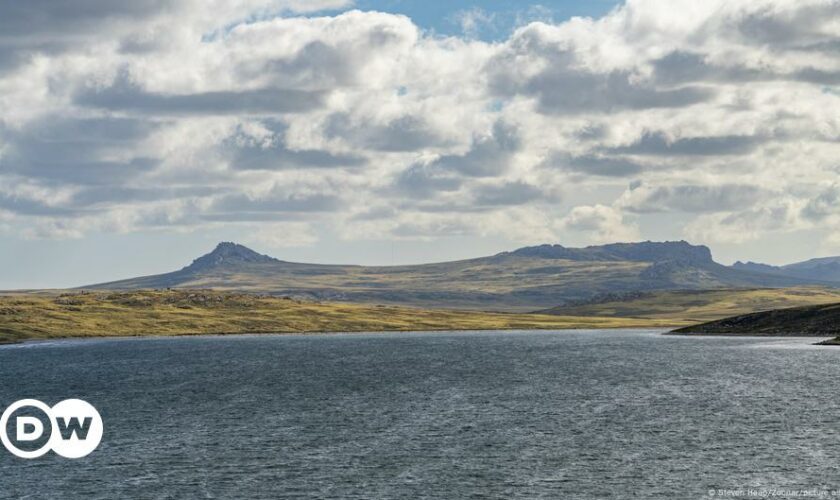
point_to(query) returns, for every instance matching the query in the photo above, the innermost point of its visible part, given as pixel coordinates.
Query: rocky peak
(646, 251)
(228, 254)
(655, 251)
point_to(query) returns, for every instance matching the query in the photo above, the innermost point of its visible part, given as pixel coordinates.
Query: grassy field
(687, 307)
(192, 312)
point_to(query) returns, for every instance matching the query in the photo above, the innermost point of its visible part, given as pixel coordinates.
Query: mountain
(818, 321)
(825, 268)
(526, 279)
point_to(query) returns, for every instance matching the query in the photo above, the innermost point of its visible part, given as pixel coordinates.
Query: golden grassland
(194, 312)
(689, 307)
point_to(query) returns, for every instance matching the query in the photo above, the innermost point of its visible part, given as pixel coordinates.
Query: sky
(134, 136)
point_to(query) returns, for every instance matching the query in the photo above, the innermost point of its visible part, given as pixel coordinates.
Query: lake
(569, 414)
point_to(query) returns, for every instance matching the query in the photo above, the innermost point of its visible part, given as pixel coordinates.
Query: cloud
(34, 200)
(781, 215)
(658, 144)
(263, 146)
(488, 156)
(536, 64)
(55, 27)
(825, 204)
(94, 151)
(602, 223)
(123, 95)
(403, 133)
(743, 226)
(692, 198)
(511, 193)
(180, 114)
(591, 164)
(473, 20)
(284, 234)
(423, 181)
(277, 203)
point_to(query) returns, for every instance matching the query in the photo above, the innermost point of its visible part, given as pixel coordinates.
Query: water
(587, 414)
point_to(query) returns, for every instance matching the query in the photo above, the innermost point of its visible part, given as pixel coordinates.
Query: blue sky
(442, 16)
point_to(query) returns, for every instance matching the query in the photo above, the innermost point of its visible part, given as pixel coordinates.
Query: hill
(825, 268)
(694, 306)
(188, 312)
(817, 321)
(522, 280)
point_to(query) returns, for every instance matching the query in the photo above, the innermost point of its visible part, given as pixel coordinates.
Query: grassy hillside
(102, 314)
(701, 305)
(520, 281)
(822, 320)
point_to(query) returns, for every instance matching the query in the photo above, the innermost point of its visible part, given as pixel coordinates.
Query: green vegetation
(190, 312)
(697, 306)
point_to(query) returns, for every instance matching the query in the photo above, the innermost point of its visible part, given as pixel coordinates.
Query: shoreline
(318, 332)
(830, 339)
(759, 335)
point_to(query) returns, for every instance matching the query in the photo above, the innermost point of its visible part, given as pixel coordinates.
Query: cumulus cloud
(126, 97)
(824, 205)
(263, 146)
(694, 198)
(746, 225)
(657, 144)
(489, 155)
(511, 193)
(180, 114)
(603, 224)
(284, 234)
(596, 164)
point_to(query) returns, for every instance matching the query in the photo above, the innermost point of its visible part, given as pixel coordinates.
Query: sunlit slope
(186, 312)
(526, 279)
(699, 305)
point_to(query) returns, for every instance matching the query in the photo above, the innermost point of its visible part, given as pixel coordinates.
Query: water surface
(574, 414)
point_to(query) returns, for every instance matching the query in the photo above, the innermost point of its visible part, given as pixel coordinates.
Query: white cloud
(183, 115)
(473, 20)
(604, 224)
(676, 196)
(284, 235)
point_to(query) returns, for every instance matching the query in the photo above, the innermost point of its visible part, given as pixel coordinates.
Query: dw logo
(71, 428)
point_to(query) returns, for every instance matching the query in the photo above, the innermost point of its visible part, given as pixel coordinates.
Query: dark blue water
(609, 414)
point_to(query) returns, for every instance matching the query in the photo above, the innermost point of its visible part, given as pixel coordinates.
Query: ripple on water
(586, 414)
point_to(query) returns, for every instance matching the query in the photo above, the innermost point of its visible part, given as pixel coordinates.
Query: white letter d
(29, 428)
